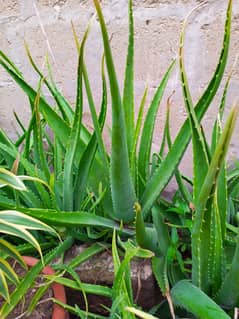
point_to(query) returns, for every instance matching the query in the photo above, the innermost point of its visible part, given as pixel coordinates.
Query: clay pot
(58, 290)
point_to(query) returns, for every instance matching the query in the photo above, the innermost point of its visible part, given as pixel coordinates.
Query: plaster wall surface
(46, 26)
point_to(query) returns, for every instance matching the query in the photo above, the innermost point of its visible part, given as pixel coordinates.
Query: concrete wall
(157, 26)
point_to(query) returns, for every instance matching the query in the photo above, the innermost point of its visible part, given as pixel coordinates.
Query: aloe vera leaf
(88, 288)
(64, 107)
(163, 174)
(115, 255)
(134, 162)
(28, 138)
(199, 257)
(57, 124)
(19, 122)
(58, 169)
(181, 186)
(73, 219)
(228, 295)
(119, 285)
(97, 126)
(159, 262)
(120, 277)
(88, 158)
(191, 298)
(222, 192)
(216, 258)
(222, 198)
(217, 125)
(148, 128)
(162, 230)
(11, 64)
(40, 153)
(123, 194)
(166, 131)
(128, 94)
(159, 267)
(224, 95)
(200, 169)
(145, 237)
(200, 158)
(100, 166)
(74, 138)
(30, 277)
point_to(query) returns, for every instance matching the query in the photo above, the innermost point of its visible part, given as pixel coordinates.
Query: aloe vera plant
(76, 164)
(76, 186)
(123, 177)
(209, 208)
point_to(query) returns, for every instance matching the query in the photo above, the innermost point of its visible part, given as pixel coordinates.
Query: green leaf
(74, 138)
(59, 126)
(123, 194)
(88, 288)
(159, 267)
(8, 271)
(38, 146)
(128, 94)
(122, 285)
(163, 174)
(74, 219)
(7, 178)
(148, 128)
(11, 251)
(146, 237)
(4, 287)
(199, 257)
(134, 162)
(140, 313)
(88, 155)
(29, 279)
(65, 108)
(17, 224)
(191, 298)
(200, 158)
(228, 295)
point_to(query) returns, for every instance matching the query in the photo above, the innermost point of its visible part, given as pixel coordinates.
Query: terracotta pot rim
(58, 312)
